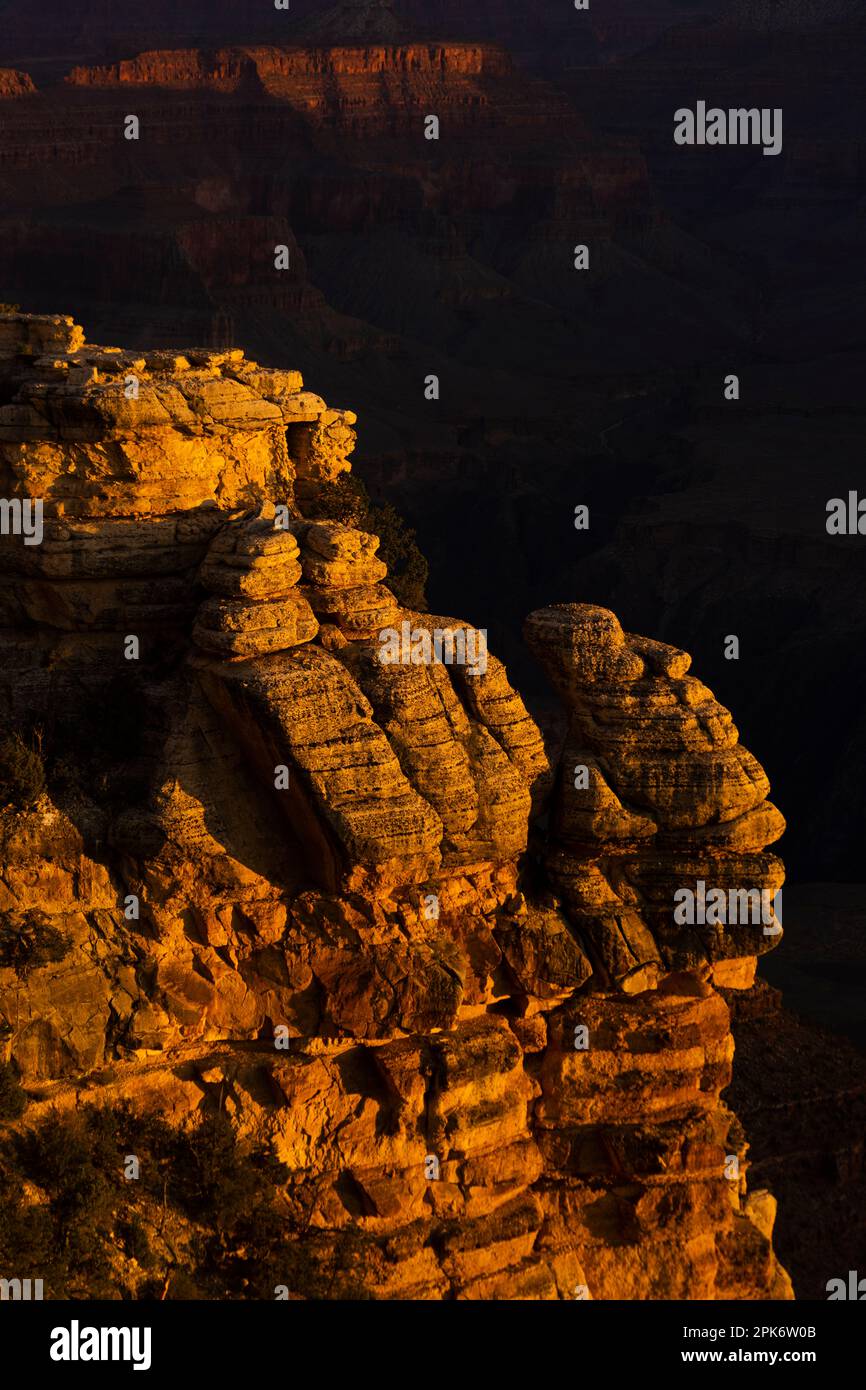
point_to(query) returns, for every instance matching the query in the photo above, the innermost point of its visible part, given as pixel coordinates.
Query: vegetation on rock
(13, 1101)
(22, 772)
(203, 1219)
(28, 941)
(346, 500)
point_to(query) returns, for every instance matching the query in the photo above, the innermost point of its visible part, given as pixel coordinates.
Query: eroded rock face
(655, 794)
(227, 68)
(503, 1056)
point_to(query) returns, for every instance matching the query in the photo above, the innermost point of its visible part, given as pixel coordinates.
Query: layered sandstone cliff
(225, 69)
(357, 905)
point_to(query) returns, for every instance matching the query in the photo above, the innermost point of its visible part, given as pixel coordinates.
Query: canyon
(556, 389)
(456, 257)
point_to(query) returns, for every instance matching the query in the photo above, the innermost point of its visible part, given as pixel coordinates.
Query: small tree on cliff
(13, 1101)
(29, 941)
(22, 772)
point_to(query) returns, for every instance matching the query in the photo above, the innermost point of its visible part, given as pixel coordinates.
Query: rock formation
(357, 904)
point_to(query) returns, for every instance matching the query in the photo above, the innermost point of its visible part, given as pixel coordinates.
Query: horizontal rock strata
(504, 1057)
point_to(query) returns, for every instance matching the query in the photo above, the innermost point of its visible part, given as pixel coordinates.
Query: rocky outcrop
(655, 793)
(15, 84)
(307, 857)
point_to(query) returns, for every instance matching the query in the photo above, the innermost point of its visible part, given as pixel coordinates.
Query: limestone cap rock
(581, 644)
(38, 335)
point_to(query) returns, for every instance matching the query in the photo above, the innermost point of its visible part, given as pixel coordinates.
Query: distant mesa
(15, 84)
(225, 69)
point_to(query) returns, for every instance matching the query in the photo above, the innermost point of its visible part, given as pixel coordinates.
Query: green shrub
(77, 1169)
(235, 1241)
(27, 1245)
(28, 941)
(407, 568)
(22, 772)
(13, 1101)
(345, 500)
(215, 1179)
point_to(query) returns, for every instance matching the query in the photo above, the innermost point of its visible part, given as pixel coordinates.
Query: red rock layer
(15, 84)
(227, 68)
